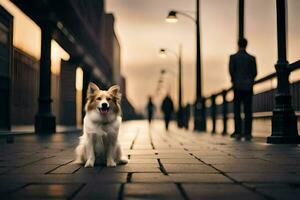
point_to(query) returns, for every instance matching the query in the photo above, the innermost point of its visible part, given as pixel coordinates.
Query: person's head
(150, 98)
(242, 43)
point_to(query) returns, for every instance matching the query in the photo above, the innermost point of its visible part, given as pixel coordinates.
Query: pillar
(224, 112)
(213, 113)
(45, 119)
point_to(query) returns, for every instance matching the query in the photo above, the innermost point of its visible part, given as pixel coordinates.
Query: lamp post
(284, 121)
(163, 53)
(241, 19)
(199, 112)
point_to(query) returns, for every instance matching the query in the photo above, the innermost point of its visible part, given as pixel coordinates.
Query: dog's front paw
(89, 163)
(123, 161)
(78, 162)
(111, 163)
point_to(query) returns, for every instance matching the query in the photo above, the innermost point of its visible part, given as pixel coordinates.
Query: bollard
(213, 113)
(224, 113)
(203, 113)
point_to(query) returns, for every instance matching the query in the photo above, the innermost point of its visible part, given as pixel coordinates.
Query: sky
(142, 30)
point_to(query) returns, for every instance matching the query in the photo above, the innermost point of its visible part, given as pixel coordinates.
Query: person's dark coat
(242, 68)
(167, 106)
(150, 109)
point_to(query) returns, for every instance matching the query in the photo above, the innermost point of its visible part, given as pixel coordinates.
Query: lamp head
(163, 53)
(172, 18)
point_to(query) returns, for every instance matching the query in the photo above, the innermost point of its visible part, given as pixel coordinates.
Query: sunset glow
(142, 29)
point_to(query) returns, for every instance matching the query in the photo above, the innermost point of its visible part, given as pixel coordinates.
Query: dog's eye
(99, 98)
(108, 98)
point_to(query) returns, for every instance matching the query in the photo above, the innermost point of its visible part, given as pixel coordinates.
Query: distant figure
(150, 109)
(167, 107)
(187, 115)
(242, 67)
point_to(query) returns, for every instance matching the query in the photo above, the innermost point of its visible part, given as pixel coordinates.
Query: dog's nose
(104, 105)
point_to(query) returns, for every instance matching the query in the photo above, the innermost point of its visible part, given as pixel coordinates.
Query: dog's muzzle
(104, 108)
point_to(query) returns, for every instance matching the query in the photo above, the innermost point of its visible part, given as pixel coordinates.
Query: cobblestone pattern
(162, 165)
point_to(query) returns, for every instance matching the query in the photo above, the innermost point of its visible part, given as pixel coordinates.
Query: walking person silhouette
(242, 68)
(150, 109)
(187, 115)
(167, 107)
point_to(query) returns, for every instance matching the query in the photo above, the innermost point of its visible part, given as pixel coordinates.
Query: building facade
(50, 56)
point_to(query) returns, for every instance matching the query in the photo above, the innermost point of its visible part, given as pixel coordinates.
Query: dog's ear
(115, 91)
(92, 88)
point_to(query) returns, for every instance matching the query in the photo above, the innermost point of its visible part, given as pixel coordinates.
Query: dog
(101, 127)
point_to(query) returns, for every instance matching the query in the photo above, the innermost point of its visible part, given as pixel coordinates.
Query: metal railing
(263, 102)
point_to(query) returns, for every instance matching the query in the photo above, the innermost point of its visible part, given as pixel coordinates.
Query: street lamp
(163, 54)
(199, 112)
(172, 18)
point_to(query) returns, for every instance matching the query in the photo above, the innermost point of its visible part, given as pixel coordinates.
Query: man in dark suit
(242, 68)
(167, 107)
(150, 109)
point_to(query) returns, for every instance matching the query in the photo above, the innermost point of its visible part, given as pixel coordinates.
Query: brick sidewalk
(162, 165)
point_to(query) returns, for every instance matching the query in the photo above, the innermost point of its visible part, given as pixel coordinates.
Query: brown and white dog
(101, 127)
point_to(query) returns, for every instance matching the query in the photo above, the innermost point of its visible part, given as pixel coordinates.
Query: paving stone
(43, 191)
(146, 156)
(174, 155)
(6, 188)
(32, 169)
(283, 161)
(259, 168)
(279, 191)
(133, 168)
(199, 178)
(140, 147)
(3, 169)
(103, 191)
(151, 191)
(140, 152)
(180, 161)
(20, 162)
(159, 150)
(46, 178)
(66, 169)
(91, 170)
(188, 168)
(218, 191)
(55, 160)
(104, 177)
(208, 153)
(143, 160)
(266, 177)
(234, 161)
(150, 177)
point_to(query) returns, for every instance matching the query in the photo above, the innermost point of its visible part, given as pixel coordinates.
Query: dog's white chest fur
(102, 128)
